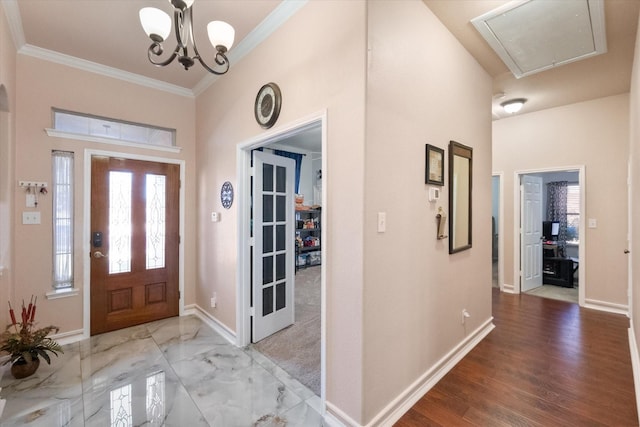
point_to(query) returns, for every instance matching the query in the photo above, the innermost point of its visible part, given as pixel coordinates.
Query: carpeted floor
(556, 292)
(296, 349)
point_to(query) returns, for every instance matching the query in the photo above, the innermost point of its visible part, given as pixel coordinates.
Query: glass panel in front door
(119, 222)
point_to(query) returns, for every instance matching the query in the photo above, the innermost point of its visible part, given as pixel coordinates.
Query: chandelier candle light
(157, 24)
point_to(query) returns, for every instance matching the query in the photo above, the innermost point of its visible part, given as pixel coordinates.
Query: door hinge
(179, 239)
(252, 241)
(252, 311)
(179, 295)
(251, 171)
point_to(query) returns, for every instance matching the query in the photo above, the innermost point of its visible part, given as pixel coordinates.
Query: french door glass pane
(281, 295)
(267, 238)
(267, 300)
(267, 208)
(156, 220)
(281, 208)
(281, 179)
(267, 177)
(267, 270)
(119, 222)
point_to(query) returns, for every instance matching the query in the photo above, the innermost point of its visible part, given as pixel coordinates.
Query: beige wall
(414, 290)
(43, 85)
(318, 58)
(594, 134)
(7, 152)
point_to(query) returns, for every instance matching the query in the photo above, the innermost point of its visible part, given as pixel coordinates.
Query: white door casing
(531, 233)
(273, 278)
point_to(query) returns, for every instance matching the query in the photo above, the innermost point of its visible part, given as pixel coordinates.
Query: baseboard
(607, 306)
(635, 364)
(69, 337)
(400, 405)
(510, 289)
(336, 418)
(214, 323)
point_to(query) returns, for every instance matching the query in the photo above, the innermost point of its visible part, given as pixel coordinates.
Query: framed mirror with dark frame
(460, 186)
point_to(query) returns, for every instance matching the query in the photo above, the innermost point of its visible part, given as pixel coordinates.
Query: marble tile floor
(173, 372)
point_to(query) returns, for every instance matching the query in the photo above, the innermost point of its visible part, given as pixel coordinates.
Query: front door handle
(626, 251)
(98, 254)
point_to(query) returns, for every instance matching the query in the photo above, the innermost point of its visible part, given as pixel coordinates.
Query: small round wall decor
(267, 105)
(226, 195)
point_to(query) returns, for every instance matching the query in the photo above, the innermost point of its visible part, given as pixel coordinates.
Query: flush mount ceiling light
(157, 24)
(514, 105)
(531, 36)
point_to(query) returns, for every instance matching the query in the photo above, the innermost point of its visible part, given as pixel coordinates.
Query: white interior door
(273, 277)
(531, 232)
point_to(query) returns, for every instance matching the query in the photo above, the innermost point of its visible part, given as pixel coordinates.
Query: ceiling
(108, 32)
(596, 77)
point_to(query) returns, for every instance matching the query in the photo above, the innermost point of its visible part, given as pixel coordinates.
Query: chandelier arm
(156, 50)
(179, 18)
(221, 59)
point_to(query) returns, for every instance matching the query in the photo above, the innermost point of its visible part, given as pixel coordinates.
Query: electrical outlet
(465, 315)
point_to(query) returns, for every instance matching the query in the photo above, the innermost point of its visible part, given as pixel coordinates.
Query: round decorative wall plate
(267, 105)
(226, 195)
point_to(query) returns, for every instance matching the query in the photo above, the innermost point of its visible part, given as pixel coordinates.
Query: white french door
(273, 252)
(531, 234)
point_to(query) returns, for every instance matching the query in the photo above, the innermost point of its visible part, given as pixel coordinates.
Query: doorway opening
(306, 334)
(551, 229)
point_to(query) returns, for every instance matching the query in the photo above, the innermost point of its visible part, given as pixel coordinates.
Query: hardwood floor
(547, 363)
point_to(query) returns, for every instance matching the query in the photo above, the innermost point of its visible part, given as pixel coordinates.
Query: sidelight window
(62, 193)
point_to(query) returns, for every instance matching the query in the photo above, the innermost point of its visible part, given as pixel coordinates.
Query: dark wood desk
(558, 271)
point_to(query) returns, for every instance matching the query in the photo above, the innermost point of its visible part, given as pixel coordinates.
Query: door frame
(500, 227)
(86, 232)
(243, 281)
(583, 228)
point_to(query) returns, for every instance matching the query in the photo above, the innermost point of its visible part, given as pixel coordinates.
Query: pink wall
(392, 300)
(415, 290)
(595, 134)
(318, 58)
(43, 85)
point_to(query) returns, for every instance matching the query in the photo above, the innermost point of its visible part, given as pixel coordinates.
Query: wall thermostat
(434, 194)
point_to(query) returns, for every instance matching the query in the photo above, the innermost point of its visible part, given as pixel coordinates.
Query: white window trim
(82, 137)
(63, 293)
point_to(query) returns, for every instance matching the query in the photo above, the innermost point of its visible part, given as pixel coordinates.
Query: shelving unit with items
(308, 238)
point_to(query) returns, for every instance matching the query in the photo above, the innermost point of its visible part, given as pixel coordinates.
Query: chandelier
(157, 24)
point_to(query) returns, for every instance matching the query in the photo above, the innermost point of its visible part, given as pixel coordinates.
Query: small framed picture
(434, 173)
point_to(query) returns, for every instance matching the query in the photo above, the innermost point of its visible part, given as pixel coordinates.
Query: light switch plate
(215, 216)
(593, 223)
(382, 222)
(31, 218)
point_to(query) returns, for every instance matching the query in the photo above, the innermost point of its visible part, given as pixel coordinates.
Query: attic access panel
(531, 36)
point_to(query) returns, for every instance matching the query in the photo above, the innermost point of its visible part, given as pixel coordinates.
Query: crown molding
(285, 10)
(12, 12)
(104, 70)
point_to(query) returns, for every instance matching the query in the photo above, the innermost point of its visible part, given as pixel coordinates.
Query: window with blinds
(573, 213)
(62, 165)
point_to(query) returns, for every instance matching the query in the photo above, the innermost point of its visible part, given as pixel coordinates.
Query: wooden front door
(134, 242)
